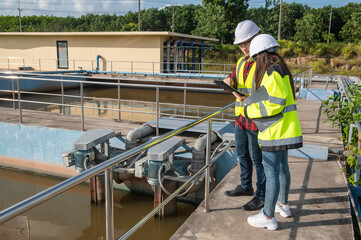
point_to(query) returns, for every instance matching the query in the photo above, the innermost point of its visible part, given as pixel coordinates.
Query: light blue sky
(120, 7)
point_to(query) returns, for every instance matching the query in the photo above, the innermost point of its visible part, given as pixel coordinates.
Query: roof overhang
(145, 33)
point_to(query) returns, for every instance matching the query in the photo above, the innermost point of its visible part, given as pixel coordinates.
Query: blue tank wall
(39, 144)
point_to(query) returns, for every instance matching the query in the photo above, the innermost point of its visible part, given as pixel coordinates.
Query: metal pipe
(119, 106)
(62, 97)
(13, 93)
(184, 99)
(109, 206)
(208, 169)
(157, 112)
(49, 193)
(19, 102)
(82, 105)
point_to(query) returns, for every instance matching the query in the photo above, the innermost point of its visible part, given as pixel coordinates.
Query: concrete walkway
(318, 195)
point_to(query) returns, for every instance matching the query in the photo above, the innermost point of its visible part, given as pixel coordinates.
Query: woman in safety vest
(273, 108)
(247, 149)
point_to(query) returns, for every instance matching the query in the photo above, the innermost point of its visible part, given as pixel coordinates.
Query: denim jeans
(278, 179)
(249, 154)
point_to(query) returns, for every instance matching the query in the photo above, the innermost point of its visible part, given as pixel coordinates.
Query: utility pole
(329, 27)
(138, 15)
(19, 15)
(279, 23)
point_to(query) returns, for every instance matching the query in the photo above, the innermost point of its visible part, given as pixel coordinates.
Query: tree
(308, 29)
(184, 21)
(351, 31)
(211, 22)
(290, 13)
(235, 12)
(153, 19)
(266, 19)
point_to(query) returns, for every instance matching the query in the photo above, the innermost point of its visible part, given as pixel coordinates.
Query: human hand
(228, 81)
(239, 97)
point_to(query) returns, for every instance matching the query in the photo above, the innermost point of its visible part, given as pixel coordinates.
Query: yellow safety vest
(242, 85)
(275, 113)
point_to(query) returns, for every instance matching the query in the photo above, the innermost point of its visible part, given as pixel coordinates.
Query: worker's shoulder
(276, 68)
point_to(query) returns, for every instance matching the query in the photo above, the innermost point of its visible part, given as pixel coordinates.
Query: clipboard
(225, 86)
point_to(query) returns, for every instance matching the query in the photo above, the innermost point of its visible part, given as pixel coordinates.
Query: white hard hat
(245, 30)
(261, 43)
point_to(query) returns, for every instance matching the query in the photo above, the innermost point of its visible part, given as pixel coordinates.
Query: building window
(62, 53)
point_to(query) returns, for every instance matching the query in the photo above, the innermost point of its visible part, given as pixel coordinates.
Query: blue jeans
(278, 179)
(249, 154)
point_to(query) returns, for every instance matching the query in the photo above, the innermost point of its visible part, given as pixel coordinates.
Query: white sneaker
(285, 211)
(260, 221)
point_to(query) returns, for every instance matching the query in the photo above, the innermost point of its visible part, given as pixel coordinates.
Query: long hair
(264, 61)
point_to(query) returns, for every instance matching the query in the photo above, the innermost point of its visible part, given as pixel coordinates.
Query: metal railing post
(131, 67)
(13, 93)
(208, 169)
(24, 63)
(184, 99)
(109, 207)
(119, 105)
(82, 105)
(19, 102)
(9, 63)
(157, 110)
(62, 96)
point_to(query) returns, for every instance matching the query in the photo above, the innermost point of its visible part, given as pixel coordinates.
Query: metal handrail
(16, 76)
(36, 63)
(52, 192)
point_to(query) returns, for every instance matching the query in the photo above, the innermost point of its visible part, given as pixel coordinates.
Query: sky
(76, 8)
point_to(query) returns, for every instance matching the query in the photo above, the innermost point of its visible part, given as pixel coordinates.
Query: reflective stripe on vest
(280, 142)
(277, 100)
(244, 85)
(290, 108)
(246, 90)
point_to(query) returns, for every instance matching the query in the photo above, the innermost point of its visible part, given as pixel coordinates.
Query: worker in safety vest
(246, 132)
(273, 108)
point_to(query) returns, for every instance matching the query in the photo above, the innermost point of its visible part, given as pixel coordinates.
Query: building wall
(82, 52)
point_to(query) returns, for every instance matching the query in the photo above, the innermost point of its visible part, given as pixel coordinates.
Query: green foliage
(342, 114)
(211, 22)
(351, 152)
(308, 29)
(234, 11)
(349, 51)
(319, 66)
(351, 31)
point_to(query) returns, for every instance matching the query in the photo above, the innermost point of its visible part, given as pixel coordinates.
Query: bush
(319, 66)
(349, 51)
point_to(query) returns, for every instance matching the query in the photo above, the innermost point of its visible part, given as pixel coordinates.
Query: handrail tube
(121, 84)
(173, 195)
(208, 170)
(102, 78)
(49, 193)
(111, 109)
